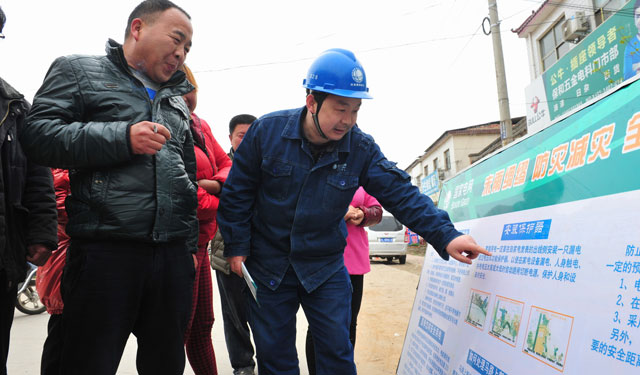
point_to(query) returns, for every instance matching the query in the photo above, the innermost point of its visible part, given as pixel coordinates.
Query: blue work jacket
(280, 208)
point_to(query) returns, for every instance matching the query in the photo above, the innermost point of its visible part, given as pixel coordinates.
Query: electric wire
(300, 59)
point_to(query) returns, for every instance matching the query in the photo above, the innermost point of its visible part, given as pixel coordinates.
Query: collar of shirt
(151, 86)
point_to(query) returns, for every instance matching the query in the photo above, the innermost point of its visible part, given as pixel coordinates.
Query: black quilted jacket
(28, 212)
(80, 121)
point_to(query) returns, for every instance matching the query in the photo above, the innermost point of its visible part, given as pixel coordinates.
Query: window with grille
(552, 45)
(447, 160)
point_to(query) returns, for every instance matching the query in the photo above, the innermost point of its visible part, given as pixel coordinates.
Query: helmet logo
(357, 75)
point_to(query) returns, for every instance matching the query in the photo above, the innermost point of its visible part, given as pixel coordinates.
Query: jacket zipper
(4, 118)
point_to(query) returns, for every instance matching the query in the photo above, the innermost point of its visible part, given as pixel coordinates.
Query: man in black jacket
(119, 124)
(28, 219)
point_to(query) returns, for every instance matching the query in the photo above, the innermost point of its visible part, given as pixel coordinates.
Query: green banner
(594, 152)
(598, 63)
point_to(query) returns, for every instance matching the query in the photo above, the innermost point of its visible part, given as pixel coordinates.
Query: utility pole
(506, 131)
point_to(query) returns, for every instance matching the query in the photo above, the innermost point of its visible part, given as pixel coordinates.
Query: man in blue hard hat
(282, 213)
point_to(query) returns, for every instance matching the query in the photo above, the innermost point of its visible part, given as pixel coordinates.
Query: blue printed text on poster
(529, 230)
(432, 330)
(481, 365)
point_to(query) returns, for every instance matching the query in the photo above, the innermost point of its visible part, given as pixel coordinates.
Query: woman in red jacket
(213, 167)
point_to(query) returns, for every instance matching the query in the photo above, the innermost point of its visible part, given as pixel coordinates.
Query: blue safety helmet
(337, 71)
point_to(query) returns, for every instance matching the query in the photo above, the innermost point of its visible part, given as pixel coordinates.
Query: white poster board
(561, 293)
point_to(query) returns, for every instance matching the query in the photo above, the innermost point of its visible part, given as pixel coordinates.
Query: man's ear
(136, 26)
(311, 103)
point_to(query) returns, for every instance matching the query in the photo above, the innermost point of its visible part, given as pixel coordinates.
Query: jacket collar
(293, 130)
(8, 92)
(115, 53)
(7, 95)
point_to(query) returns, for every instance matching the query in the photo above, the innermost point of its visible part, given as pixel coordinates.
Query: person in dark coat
(119, 123)
(28, 218)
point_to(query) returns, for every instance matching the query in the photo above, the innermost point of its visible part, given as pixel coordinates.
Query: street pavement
(29, 332)
(389, 291)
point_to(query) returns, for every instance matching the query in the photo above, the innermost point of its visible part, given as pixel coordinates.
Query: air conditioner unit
(576, 27)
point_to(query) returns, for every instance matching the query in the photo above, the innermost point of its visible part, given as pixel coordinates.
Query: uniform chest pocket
(339, 191)
(276, 178)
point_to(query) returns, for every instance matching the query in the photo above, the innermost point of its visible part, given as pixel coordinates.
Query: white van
(387, 239)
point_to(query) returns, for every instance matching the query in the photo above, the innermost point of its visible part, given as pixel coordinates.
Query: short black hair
(240, 119)
(3, 19)
(148, 9)
(318, 96)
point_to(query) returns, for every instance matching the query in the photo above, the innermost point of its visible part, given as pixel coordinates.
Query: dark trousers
(328, 310)
(52, 349)
(234, 314)
(111, 289)
(7, 308)
(357, 282)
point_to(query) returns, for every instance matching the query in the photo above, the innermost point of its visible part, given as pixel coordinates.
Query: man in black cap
(28, 218)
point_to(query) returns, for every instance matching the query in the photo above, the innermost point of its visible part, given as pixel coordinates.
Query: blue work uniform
(284, 210)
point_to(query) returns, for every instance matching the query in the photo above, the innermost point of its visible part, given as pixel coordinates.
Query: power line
(401, 45)
(465, 46)
(624, 13)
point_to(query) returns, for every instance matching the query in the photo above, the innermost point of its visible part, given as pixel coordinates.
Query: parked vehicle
(28, 300)
(387, 239)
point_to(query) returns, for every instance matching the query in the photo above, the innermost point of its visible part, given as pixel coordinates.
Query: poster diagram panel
(506, 320)
(548, 336)
(477, 310)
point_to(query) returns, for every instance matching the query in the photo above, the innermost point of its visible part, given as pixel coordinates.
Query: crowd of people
(143, 189)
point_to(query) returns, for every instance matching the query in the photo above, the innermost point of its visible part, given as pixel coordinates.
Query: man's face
(338, 115)
(238, 135)
(162, 45)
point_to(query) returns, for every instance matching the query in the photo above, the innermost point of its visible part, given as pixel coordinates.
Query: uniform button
(156, 235)
(272, 283)
(161, 211)
(335, 166)
(342, 183)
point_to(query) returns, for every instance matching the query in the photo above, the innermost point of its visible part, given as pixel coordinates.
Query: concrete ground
(389, 291)
(29, 332)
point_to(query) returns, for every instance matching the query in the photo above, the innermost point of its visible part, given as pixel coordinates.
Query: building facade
(452, 152)
(577, 51)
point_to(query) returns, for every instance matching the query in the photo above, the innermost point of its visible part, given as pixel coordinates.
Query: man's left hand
(38, 254)
(464, 248)
(195, 261)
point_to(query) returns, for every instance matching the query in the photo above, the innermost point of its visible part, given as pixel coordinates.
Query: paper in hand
(252, 285)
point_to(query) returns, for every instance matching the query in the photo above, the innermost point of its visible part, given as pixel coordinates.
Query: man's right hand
(236, 264)
(148, 137)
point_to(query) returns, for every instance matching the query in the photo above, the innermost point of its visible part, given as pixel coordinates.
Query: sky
(429, 66)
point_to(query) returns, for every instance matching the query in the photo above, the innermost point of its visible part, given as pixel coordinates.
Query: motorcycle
(28, 300)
